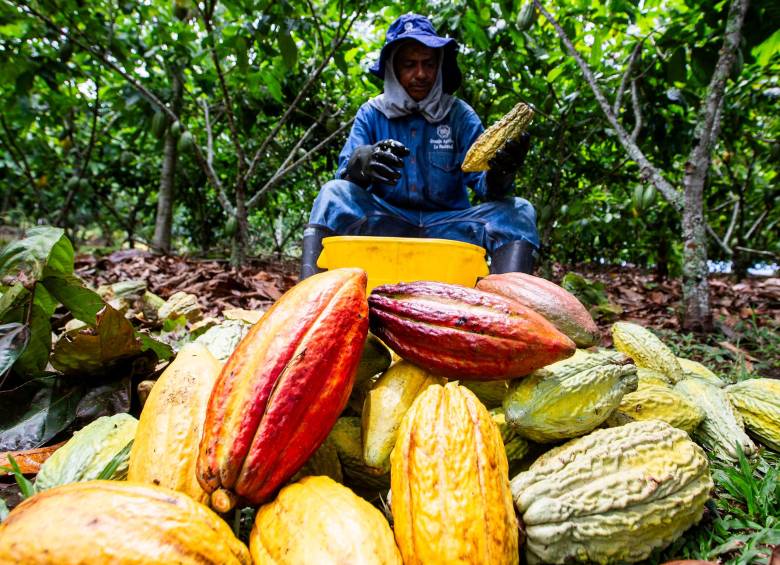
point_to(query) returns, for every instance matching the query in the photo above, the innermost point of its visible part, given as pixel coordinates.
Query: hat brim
(450, 71)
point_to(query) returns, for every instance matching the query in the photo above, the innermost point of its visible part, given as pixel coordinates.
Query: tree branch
(317, 24)
(732, 223)
(758, 252)
(336, 44)
(209, 135)
(277, 176)
(718, 240)
(708, 124)
(637, 112)
(20, 160)
(756, 224)
(632, 59)
(648, 170)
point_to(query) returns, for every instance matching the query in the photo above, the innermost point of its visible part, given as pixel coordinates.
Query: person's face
(415, 66)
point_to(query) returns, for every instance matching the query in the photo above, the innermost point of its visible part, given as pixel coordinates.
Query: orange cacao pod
(464, 333)
(556, 304)
(282, 389)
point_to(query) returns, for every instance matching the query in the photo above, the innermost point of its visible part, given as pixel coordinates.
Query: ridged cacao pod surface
(758, 402)
(464, 333)
(165, 450)
(612, 496)
(556, 304)
(658, 403)
(317, 520)
(89, 451)
(569, 398)
(647, 350)
(451, 501)
(485, 147)
(696, 369)
(722, 427)
(116, 522)
(346, 437)
(283, 388)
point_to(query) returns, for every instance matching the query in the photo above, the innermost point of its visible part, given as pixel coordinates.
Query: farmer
(399, 171)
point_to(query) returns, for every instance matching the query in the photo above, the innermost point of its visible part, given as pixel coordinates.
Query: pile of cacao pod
(462, 409)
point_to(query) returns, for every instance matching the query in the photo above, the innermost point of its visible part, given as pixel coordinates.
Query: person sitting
(399, 171)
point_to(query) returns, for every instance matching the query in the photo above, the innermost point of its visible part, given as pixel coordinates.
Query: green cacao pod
(758, 402)
(490, 393)
(89, 451)
(516, 446)
(696, 369)
(649, 377)
(612, 496)
(323, 462)
(658, 403)
(345, 435)
(568, 398)
(558, 306)
(722, 428)
(646, 349)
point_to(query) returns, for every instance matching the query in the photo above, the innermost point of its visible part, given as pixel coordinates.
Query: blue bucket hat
(420, 28)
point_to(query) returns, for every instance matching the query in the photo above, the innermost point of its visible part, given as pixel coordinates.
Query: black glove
(504, 166)
(376, 163)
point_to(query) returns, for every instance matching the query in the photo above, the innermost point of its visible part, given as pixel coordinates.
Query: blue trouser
(347, 209)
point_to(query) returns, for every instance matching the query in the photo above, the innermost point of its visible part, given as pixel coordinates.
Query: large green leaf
(44, 249)
(83, 303)
(288, 48)
(12, 298)
(93, 350)
(35, 412)
(33, 361)
(768, 49)
(13, 340)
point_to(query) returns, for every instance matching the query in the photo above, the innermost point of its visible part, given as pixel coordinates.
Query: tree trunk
(164, 219)
(241, 237)
(696, 294)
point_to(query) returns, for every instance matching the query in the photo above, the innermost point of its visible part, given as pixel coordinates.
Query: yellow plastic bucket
(389, 260)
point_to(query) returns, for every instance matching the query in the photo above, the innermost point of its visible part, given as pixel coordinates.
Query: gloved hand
(504, 166)
(376, 163)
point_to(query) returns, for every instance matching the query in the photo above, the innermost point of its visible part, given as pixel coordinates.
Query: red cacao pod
(556, 304)
(464, 333)
(283, 388)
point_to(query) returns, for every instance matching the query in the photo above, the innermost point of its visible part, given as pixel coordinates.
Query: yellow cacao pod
(612, 496)
(116, 522)
(649, 377)
(451, 501)
(758, 402)
(722, 428)
(165, 450)
(385, 406)
(510, 126)
(658, 403)
(646, 349)
(317, 520)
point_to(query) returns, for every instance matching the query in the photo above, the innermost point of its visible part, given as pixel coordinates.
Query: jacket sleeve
(360, 134)
(468, 134)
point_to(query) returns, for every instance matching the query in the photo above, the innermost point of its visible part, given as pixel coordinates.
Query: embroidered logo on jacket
(444, 140)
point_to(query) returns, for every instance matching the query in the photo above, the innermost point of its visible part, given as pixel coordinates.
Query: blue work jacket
(431, 178)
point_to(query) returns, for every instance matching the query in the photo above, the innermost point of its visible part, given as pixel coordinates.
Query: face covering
(394, 102)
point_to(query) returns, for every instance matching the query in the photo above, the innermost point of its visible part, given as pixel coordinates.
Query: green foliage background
(82, 147)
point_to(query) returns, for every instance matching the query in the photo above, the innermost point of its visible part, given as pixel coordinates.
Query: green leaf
(11, 298)
(32, 414)
(44, 249)
(33, 361)
(148, 343)
(288, 48)
(94, 350)
(554, 73)
(766, 50)
(13, 340)
(25, 485)
(119, 459)
(82, 302)
(676, 66)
